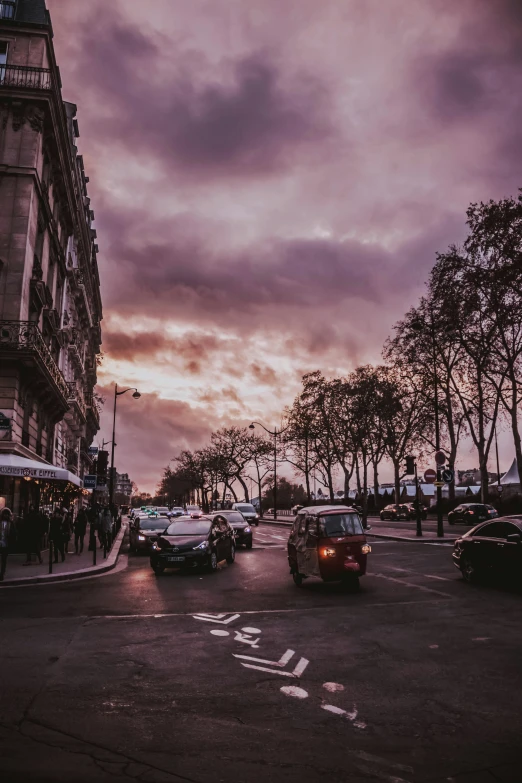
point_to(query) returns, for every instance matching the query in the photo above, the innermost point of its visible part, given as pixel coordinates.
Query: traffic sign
(93, 451)
(89, 482)
(440, 457)
(448, 475)
(430, 476)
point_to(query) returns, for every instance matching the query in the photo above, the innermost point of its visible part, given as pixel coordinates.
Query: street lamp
(418, 326)
(117, 393)
(274, 435)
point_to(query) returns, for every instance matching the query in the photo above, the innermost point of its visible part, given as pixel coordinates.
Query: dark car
(491, 548)
(412, 511)
(194, 543)
(240, 526)
(471, 513)
(394, 511)
(144, 532)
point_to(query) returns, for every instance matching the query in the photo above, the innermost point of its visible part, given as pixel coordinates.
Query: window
(494, 530)
(341, 525)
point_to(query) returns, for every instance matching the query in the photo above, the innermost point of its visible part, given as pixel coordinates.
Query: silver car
(248, 511)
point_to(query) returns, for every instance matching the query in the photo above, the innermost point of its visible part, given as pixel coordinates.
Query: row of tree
(452, 368)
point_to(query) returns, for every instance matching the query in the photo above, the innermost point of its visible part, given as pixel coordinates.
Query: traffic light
(101, 469)
(410, 465)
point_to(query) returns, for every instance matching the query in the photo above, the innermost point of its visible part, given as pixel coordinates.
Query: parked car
(194, 543)
(248, 511)
(471, 513)
(240, 526)
(395, 511)
(491, 548)
(144, 532)
(412, 511)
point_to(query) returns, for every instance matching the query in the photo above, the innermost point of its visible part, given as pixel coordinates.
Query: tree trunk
(397, 480)
(516, 434)
(245, 488)
(376, 484)
(365, 491)
(358, 476)
(347, 477)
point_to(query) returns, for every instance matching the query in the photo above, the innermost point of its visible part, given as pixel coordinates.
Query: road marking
(288, 655)
(409, 584)
(418, 573)
(293, 690)
(378, 760)
(251, 630)
(218, 632)
(481, 639)
(333, 687)
(216, 618)
(338, 711)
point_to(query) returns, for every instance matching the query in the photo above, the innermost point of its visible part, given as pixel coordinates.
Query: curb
(107, 565)
(420, 540)
(276, 523)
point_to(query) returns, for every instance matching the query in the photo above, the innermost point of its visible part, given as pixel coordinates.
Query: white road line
(378, 760)
(414, 586)
(418, 573)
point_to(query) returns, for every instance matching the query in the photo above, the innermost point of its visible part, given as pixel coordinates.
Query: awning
(20, 467)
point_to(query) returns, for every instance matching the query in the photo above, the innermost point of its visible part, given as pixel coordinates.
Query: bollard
(50, 557)
(95, 547)
(104, 548)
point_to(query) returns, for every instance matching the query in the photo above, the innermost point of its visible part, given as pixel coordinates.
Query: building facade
(50, 304)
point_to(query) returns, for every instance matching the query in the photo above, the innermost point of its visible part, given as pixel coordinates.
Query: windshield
(162, 510)
(187, 528)
(160, 523)
(341, 525)
(249, 509)
(235, 518)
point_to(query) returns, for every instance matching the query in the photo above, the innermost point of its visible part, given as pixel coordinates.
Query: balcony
(7, 9)
(93, 407)
(23, 340)
(24, 77)
(75, 399)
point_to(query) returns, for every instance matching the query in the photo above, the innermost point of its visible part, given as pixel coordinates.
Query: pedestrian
(80, 528)
(92, 515)
(106, 526)
(67, 527)
(6, 523)
(33, 535)
(56, 534)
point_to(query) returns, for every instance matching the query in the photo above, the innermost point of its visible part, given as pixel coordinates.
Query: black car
(194, 543)
(145, 531)
(491, 548)
(394, 511)
(412, 511)
(471, 513)
(240, 526)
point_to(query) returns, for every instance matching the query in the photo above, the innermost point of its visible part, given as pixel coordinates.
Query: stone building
(50, 305)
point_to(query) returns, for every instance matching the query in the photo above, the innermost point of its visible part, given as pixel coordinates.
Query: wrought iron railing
(76, 396)
(25, 337)
(25, 77)
(7, 9)
(93, 405)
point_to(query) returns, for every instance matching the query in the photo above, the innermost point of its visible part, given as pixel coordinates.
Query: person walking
(92, 516)
(33, 535)
(106, 526)
(56, 534)
(80, 528)
(6, 523)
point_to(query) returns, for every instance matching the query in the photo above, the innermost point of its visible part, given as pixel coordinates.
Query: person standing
(80, 528)
(6, 522)
(33, 534)
(92, 516)
(106, 526)
(56, 534)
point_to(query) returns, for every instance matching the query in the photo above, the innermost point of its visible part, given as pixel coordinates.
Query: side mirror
(514, 538)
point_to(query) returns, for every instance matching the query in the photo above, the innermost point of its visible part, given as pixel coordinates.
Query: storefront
(25, 482)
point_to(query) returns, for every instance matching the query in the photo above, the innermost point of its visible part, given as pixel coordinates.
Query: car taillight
(328, 552)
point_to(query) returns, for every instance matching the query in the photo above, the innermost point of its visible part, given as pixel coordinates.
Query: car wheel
(298, 579)
(158, 569)
(382, 517)
(232, 555)
(468, 571)
(212, 566)
(248, 545)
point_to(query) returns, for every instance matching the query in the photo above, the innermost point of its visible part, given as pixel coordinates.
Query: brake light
(470, 512)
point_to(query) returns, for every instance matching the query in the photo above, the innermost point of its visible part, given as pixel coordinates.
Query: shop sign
(89, 482)
(8, 470)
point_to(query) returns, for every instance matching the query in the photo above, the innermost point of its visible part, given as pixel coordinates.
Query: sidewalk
(74, 567)
(391, 533)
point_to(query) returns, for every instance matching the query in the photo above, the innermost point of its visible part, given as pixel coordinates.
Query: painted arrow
(280, 664)
(216, 618)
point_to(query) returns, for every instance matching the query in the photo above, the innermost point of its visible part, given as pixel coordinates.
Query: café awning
(20, 467)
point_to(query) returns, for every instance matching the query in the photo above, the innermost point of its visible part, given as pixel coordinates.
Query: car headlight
(366, 549)
(142, 538)
(247, 530)
(203, 545)
(257, 516)
(156, 548)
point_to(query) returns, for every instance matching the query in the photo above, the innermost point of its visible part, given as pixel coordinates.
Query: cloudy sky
(271, 180)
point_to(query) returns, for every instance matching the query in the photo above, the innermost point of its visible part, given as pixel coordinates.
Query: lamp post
(419, 326)
(117, 393)
(274, 435)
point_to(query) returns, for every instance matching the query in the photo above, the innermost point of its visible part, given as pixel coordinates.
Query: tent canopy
(20, 467)
(511, 477)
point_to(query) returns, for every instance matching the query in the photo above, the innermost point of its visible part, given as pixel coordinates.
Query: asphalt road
(416, 678)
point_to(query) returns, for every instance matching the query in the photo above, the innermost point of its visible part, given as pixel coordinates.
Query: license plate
(175, 559)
